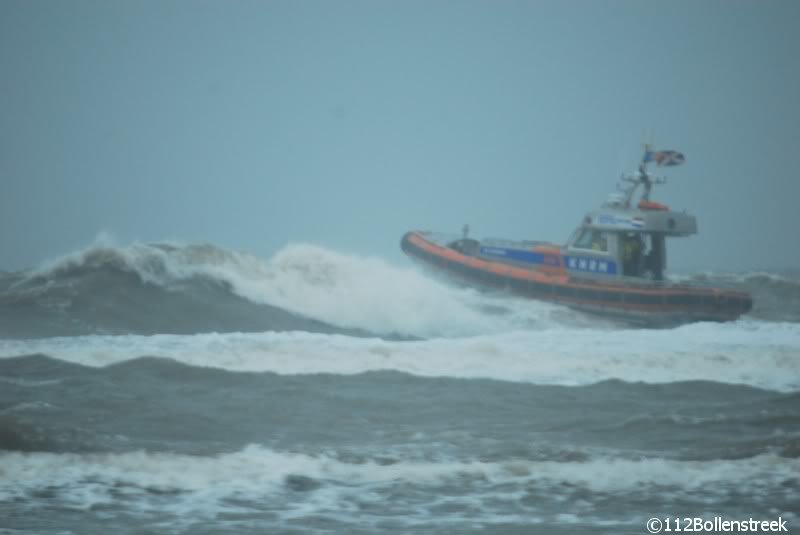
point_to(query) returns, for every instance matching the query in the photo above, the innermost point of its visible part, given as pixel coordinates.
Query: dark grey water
(153, 444)
(440, 410)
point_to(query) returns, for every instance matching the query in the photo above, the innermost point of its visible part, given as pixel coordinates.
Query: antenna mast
(645, 179)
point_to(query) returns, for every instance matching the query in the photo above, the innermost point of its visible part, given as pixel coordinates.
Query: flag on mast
(663, 157)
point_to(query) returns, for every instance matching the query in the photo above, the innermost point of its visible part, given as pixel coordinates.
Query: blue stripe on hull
(518, 255)
(586, 264)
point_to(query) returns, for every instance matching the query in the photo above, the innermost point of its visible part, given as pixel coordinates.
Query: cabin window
(596, 240)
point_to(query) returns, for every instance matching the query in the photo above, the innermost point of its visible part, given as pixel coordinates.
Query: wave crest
(346, 291)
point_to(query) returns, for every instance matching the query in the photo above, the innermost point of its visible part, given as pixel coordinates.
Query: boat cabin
(626, 241)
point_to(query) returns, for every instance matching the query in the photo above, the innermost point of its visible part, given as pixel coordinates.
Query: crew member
(632, 254)
(599, 242)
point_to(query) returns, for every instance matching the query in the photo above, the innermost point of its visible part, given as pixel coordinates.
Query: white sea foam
(760, 354)
(344, 290)
(192, 485)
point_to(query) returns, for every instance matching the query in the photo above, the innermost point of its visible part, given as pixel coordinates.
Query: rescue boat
(613, 264)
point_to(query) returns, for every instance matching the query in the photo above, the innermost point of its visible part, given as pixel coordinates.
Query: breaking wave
(759, 354)
(176, 288)
(193, 288)
(297, 485)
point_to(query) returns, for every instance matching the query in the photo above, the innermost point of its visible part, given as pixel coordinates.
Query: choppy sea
(173, 388)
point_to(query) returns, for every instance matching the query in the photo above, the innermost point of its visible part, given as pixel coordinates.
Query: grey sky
(255, 124)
